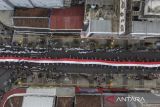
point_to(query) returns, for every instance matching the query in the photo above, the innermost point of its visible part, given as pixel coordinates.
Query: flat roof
(64, 102)
(101, 26)
(31, 22)
(88, 101)
(31, 12)
(38, 101)
(146, 27)
(67, 18)
(152, 7)
(48, 3)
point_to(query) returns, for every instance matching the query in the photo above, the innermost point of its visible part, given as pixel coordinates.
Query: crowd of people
(25, 68)
(77, 53)
(105, 55)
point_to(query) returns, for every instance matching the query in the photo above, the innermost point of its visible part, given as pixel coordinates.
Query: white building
(109, 20)
(10, 4)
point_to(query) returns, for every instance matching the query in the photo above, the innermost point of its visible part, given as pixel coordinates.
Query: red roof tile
(31, 12)
(67, 18)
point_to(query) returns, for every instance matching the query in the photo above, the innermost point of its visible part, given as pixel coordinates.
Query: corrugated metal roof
(5, 6)
(145, 27)
(31, 12)
(44, 91)
(38, 101)
(21, 3)
(31, 22)
(48, 3)
(64, 102)
(42, 97)
(100, 26)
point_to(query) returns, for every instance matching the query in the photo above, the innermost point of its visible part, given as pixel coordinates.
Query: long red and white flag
(80, 61)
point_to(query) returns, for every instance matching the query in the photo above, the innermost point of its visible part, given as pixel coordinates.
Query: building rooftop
(152, 7)
(146, 27)
(31, 12)
(99, 2)
(64, 101)
(31, 22)
(90, 18)
(84, 97)
(48, 3)
(67, 18)
(33, 17)
(104, 17)
(101, 26)
(145, 18)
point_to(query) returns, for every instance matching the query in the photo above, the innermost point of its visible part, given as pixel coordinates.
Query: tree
(75, 43)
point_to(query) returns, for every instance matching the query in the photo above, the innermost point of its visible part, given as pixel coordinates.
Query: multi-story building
(145, 18)
(88, 18)
(104, 18)
(45, 17)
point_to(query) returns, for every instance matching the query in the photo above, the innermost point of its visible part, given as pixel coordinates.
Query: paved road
(4, 76)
